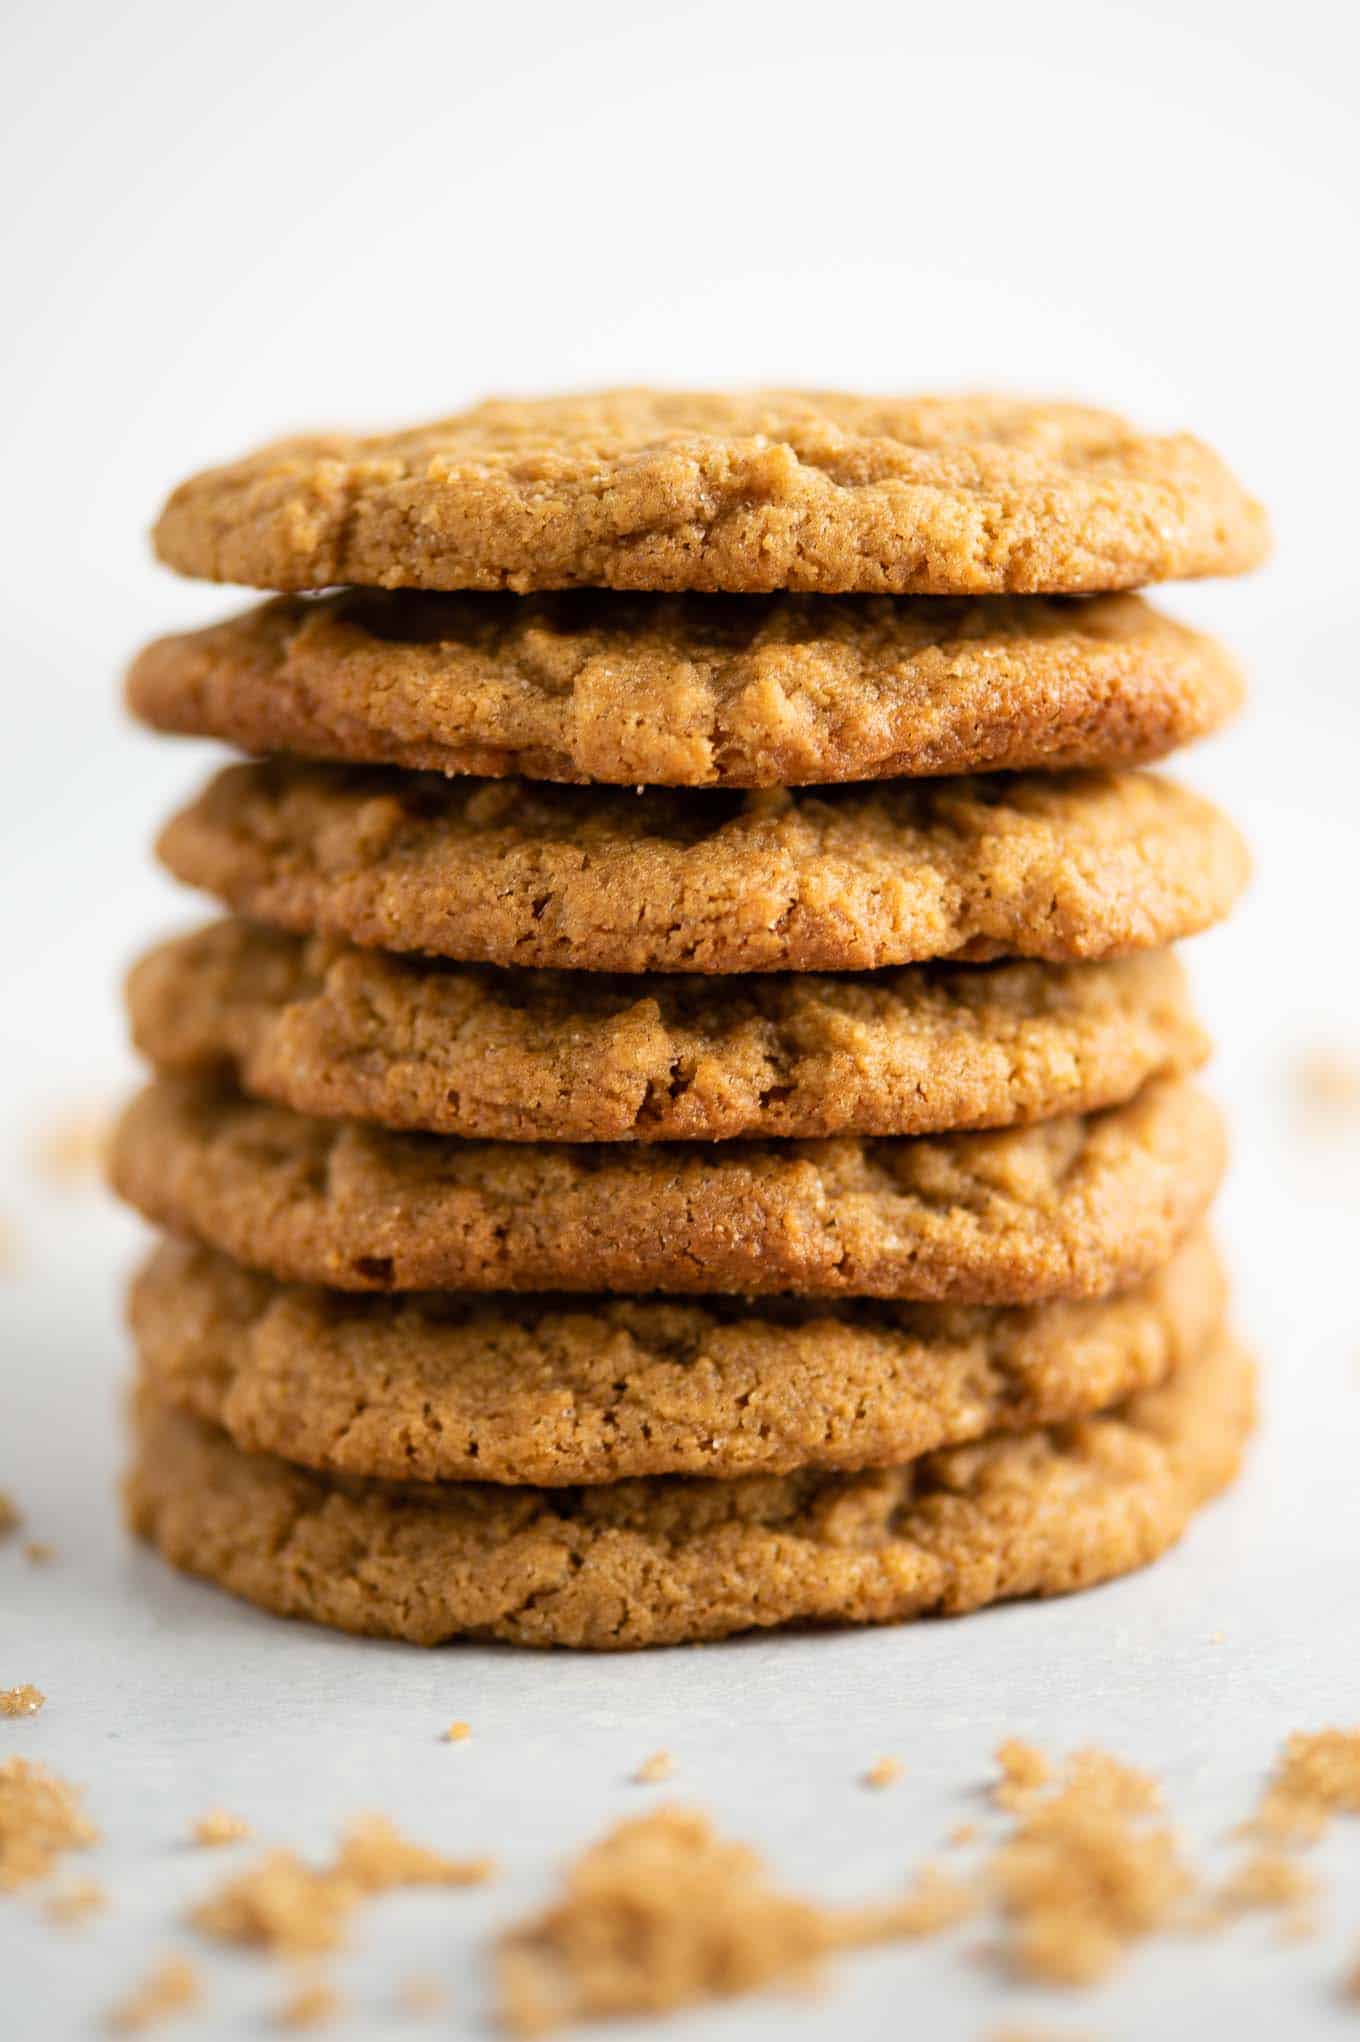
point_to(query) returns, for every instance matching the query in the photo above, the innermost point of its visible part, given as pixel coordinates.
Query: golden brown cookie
(693, 691)
(1063, 867)
(672, 1559)
(1071, 1207)
(760, 490)
(440, 1387)
(579, 1056)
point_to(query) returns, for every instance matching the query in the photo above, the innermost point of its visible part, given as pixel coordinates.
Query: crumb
(884, 1772)
(1024, 1769)
(421, 1996)
(173, 1987)
(1268, 1881)
(281, 1905)
(660, 1766)
(71, 1151)
(21, 1701)
(965, 1833)
(1316, 1776)
(290, 1908)
(934, 1902)
(310, 2006)
(457, 1733)
(1327, 1081)
(84, 1897)
(376, 1858)
(10, 1519)
(1084, 1873)
(38, 1553)
(662, 1913)
(40, 1817)
(218, 1827)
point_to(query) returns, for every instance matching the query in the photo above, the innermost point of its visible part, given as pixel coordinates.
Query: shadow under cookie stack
(690, 1125)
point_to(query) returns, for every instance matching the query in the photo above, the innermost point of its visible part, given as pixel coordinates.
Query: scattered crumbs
(1084, 1872)
(884, 1772)
(377, 1858)
(40, 1817)
(934, 1902)
(421, 1996)
(1024, 1770)
(219, 1827)
(10, 1519)
(172, 1987)
(662, 1913)
(70, 1152)
(39, 1554)
(21, 1701)
(966, 1832)
(311, 2005)
(1269, 1881)
(281, 1905)
(1317, 1775)
(660, 1766)
(458, 1733)
(76, 1902)
(293, 1909)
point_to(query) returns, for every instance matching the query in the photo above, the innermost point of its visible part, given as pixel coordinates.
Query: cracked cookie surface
(1075, 1206)
(558, 1391)
(510, 1055)
(1062, 867)
(661, 1561)
(692, 691)
(769, 489)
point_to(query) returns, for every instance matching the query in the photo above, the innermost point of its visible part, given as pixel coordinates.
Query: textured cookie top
(1070, 866)
(666, 1560)
(440, 1388)
(1071, 1207)
(692, 691)
(579, 1056)
(774, 489)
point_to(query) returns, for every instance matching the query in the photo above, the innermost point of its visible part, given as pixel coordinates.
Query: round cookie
(1071, 1207)
(668, 1560)
(447, 1388)
(576, 1056)
(694, 691)
(1064, 867)
(748, 492)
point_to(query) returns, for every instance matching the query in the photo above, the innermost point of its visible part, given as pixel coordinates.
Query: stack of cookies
(689, 1122)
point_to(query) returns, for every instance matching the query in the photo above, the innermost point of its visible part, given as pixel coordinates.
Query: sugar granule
(659, 1766)
(25, 1700)
(219, 1827)
(884, 1772)
(457, 1733)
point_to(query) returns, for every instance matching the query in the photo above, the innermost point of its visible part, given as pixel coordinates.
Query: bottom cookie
(669, 1560)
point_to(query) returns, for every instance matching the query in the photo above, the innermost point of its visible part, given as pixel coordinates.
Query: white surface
(234, 220)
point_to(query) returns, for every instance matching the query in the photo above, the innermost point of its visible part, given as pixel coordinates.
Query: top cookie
(749, 492)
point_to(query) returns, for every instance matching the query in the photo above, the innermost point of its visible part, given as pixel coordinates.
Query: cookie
(518, 872)
(575, 1056)
(447, 1388)
(1071, 1207)
(672, 1559)
(749, 492)
(695, 691)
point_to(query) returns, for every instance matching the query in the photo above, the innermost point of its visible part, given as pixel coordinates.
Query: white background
(222, 222)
